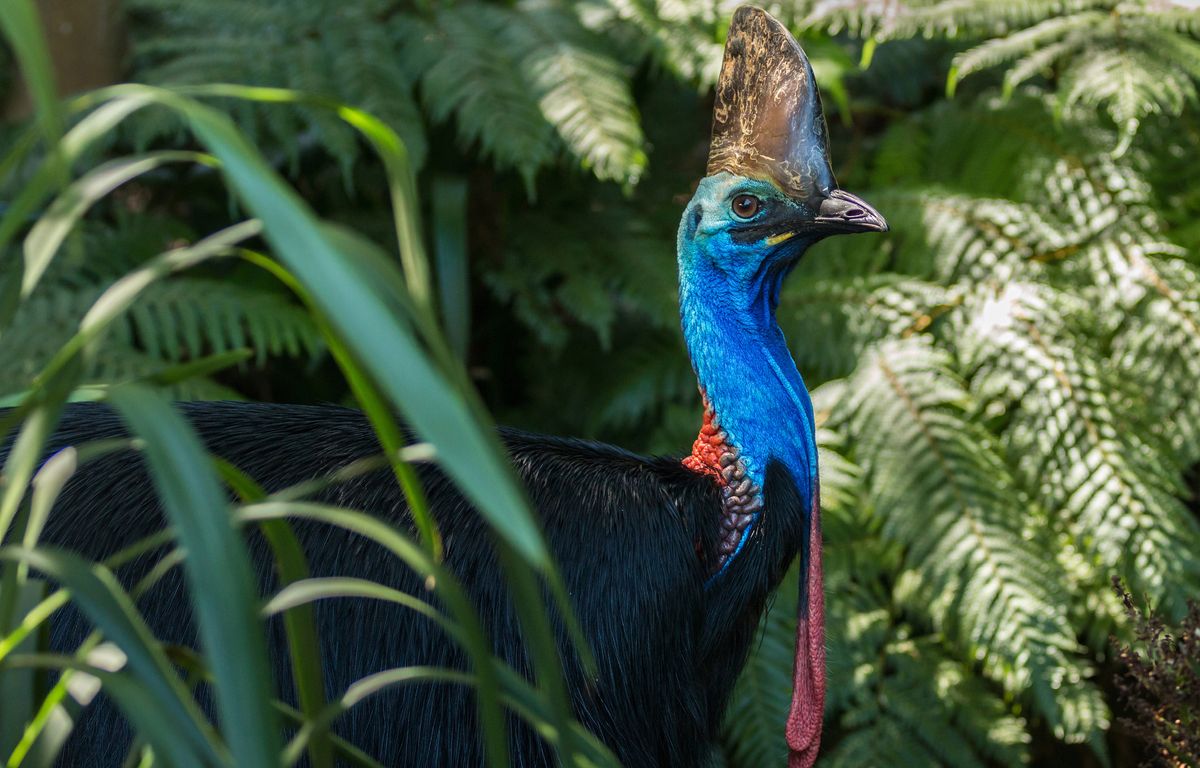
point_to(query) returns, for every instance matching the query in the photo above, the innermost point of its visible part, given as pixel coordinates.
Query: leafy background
(1005, 383)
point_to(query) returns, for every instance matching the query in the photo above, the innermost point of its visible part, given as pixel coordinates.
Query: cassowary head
(770, 191)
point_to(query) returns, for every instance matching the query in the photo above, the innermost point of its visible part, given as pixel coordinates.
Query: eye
(745, 206)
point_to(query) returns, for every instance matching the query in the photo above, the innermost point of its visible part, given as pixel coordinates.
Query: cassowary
(669, 562)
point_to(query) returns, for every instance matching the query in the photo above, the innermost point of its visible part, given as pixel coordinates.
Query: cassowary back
(630, 536)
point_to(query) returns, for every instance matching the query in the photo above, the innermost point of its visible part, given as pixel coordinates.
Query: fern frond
(941, 486)
(678, 36)
(916, 705)
(1124, 57)
(582, 91)
(478, 80)
(1073, 450)
(181, 318)
(758, 709)
(1060, 31)
(1129, 82)
(1159, 347)
(194, 316)
(848, 314)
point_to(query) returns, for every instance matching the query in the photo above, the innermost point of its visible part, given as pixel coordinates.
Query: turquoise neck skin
(728, 294)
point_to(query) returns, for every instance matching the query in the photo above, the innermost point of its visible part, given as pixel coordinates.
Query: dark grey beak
(843, 213)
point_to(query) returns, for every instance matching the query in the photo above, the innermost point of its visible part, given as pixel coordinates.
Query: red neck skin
(708, 447)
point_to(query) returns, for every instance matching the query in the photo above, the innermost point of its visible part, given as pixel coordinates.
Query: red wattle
(708, 448)
(808, 681)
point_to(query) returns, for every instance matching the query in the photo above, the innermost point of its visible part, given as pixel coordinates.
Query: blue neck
(744, 367)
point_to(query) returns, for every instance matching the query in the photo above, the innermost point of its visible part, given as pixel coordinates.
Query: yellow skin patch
(777, 239)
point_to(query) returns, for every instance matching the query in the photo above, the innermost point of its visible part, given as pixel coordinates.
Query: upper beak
(842, 212)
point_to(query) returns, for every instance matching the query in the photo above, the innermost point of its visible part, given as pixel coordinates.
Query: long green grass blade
(46, 608)
(17, 686)
(383, 343)
(20, 24)
(300, 593)
(222, 584)
(20, 463)
(450, 250)
(415, 557)
(347, 753)
(68, 208)
(299, 621)
(136, 700)
(365, 688)
(85, 134)
(391, 151)
(53, 723)
(370, 397)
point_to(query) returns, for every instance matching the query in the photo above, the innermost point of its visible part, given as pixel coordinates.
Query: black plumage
(635, 539)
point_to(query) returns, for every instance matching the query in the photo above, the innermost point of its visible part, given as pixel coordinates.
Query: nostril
(855, 213)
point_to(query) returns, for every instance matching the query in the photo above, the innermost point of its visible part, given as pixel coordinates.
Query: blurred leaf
(221, 581)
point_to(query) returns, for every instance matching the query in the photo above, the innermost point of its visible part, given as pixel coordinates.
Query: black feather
(635, 539)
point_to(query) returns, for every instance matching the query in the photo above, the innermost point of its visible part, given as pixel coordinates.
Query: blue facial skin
(731, 270)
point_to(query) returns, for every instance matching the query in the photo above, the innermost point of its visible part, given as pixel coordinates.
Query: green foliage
(1006, 380)
(523, 84)
(1133, 58)
(187, 317)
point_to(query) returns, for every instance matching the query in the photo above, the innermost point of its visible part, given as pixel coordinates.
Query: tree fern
(175, 320)
(1159, 346)
(847, 313)
(519, 82)
(1134, 58)
(896, 694)
(1125, 56)
(582, 91)
(944, 492)
(1078, 454)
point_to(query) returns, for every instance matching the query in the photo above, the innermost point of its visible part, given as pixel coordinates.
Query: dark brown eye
(745, 206)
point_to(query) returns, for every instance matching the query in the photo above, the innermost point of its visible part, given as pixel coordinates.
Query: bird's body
(668, 562)
(625, 530)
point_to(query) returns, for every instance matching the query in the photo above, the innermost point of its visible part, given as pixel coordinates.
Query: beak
(843, 213)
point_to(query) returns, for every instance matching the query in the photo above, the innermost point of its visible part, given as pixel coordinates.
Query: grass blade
(450, 249)
(384, 344)
(218, 570)
(299, 621)
(52, 227)
(17, 686)
(471, 632)
(131, 694)
(365, 688)
(20, 24)
(19, 466)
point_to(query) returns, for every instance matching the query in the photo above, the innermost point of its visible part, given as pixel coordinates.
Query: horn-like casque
(768, 123)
